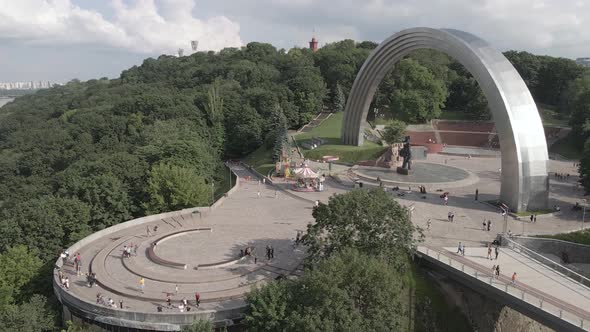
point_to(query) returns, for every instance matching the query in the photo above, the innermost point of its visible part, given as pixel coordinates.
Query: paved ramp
(546, 294)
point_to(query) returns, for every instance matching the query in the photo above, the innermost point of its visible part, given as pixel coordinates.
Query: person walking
(463, 250)
(141, 284)
(489, 224)
(168, 300)
(176, 289)
(493, 269)
(449, 217)
(452, 216)
(446, 199)
(459, 248)
(476, 194)
(514, 278)
(148, 232)
(484, 224)
(532, 217)
(496, 252)
(197, 299)
(428, 223)
(535, 219)
(489, 253)
(498, 271)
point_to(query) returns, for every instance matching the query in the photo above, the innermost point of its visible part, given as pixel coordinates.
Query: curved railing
(549, 304)
(545, 261)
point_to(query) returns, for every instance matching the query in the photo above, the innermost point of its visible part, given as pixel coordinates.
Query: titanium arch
(524, 179)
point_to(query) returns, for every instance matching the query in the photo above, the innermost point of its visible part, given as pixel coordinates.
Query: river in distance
(4, 101)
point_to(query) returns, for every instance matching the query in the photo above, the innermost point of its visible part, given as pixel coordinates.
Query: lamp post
(523, 221)
(584, 212)
(212, 192)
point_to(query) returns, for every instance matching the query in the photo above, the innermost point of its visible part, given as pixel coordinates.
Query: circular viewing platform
(194, 251)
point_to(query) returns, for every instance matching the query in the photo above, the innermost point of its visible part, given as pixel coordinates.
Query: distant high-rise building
(583, 61)
(313, 44)
(180, 52)
(194, 44)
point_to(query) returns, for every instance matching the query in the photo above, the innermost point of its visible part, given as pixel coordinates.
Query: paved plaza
(273, 218)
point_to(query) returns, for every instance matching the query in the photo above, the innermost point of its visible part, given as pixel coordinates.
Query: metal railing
(545, 261)
(566, 312)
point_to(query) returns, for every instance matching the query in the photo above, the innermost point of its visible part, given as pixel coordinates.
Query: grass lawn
(551, 116)
(567, 148)
(261, 160)
(581, 237)
(330, 131)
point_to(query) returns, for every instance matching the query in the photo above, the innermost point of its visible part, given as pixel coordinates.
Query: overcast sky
(63, 39)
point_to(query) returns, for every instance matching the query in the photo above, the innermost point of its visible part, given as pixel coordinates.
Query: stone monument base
(404, 171)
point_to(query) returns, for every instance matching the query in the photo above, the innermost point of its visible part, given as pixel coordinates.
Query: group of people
(445, 197)
(148, 232)
(451, 216)
(270, 252)
(128, 249)
(108, 302)
(496, 252)
(562, 176)
(486, 225)
(299, 238)
(183, 305)
(461, 249)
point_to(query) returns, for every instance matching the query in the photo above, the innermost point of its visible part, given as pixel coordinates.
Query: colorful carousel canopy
(305, 173)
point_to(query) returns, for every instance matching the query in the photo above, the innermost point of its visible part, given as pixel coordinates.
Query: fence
(553, 306)
(545, 261)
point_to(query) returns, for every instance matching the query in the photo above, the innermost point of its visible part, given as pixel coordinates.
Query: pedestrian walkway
(535, 283)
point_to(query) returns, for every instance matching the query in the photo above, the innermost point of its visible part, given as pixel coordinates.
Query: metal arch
(524, 179)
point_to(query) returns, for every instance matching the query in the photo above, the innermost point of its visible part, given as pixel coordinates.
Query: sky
(59, 40)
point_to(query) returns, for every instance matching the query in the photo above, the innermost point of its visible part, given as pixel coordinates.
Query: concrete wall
(163, 321)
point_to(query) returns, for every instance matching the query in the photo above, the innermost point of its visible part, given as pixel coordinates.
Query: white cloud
(142, 26)
(557, 27)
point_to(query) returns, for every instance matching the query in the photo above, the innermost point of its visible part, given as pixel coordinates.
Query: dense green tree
(48, 223)
(339, 99)
(580, 119)
(31, 316)
(349, 291)
(18, 267)
(200, 325)
(106, 195)
(553, 79)
(394, 131)
(465, 95)
(368, 220)
(172, 187)
(418, 96)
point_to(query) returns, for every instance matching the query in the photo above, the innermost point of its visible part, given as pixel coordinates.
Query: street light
(584, 212)
(212, 192)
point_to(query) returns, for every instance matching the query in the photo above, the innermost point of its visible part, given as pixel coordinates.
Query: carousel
(307, 179)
